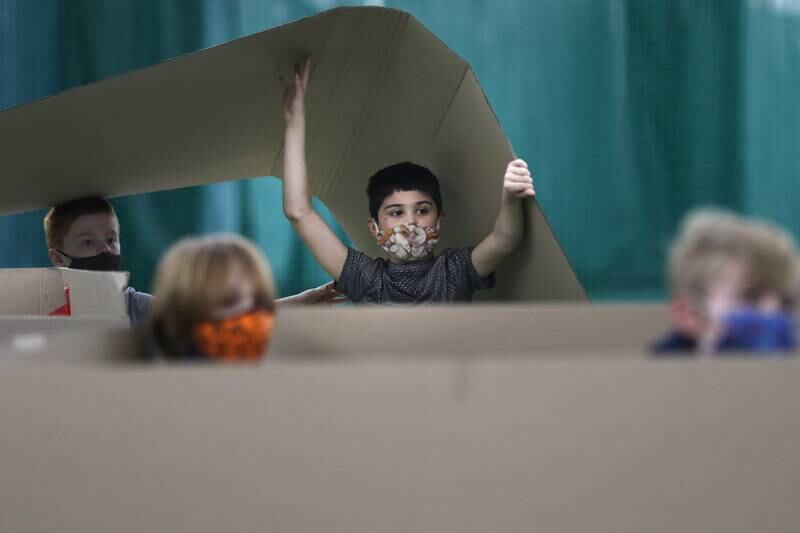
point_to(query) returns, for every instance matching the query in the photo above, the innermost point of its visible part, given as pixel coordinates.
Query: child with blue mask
(733, 284)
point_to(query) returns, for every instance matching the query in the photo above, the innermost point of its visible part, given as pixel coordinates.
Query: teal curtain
(51, 46)
(630, 112)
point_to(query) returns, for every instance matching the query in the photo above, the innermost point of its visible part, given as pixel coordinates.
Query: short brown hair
(59, 219)
(711, 239)
(190, 280)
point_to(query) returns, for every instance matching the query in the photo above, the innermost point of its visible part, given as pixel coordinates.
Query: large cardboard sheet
(383, 89)
(462, 445)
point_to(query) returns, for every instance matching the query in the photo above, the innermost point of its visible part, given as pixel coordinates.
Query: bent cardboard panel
(383, 89)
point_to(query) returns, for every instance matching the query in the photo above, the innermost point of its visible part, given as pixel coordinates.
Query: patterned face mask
(408, 242)
(243, 338)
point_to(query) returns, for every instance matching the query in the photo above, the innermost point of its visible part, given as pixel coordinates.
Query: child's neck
(393, 260)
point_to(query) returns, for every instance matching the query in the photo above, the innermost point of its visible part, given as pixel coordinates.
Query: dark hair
(59, 219)
(402, 177)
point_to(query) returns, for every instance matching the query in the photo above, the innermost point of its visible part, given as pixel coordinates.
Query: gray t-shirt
(138, 303)
(450, 277)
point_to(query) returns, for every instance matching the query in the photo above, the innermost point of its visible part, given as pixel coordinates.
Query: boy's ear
(373, 227)
(685, 317)
(57, 259)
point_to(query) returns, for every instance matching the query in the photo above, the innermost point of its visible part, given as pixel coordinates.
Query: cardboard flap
(40, 291)
(471, 145)
(383, 89)
(30, 291)
(96, 293)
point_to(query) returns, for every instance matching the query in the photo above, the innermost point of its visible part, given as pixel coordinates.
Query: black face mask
(96, 262)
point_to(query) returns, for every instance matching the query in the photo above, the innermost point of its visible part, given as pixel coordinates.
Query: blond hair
(709, 240)
(192, 279)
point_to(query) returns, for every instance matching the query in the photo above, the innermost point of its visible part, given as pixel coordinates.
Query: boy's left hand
(324, 295)
(518, 182)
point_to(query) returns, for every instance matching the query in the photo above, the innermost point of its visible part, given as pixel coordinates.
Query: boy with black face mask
(84, 234)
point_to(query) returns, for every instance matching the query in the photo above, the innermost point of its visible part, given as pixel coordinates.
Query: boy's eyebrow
(415, 203)
(90, 234)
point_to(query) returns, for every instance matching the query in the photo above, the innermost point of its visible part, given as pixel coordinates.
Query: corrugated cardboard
(65, 339)
(467, 329)
(307, 332)
(41, 291)
(383, 89)
(490, 444)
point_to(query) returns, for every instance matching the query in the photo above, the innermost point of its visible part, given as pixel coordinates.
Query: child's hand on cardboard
(325, 295)
(295, 95)
(518, 182)
(322, 295)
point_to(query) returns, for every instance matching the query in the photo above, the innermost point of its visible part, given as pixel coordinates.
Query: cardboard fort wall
(305, 332)
(383, 89)
(621, 445)
(41, 291)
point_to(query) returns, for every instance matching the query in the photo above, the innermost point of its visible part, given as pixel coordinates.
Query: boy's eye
(87, 242)
(112, 240)
(422, 211)
(395, 213)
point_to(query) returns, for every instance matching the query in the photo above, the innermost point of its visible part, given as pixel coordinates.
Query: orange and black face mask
(243, 338)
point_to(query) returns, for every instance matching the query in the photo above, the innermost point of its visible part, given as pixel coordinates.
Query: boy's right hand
(295, 94)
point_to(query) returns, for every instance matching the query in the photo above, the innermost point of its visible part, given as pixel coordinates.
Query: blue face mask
(751, 330)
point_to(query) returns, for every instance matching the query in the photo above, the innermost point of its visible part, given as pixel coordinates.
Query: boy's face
(407, 207)
(90, 235)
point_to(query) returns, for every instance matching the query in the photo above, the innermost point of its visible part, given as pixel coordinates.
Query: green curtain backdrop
(630, 112)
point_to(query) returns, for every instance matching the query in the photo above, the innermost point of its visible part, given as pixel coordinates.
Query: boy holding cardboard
(405, 217)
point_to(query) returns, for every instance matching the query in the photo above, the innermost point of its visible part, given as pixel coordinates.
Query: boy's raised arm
(315, 232)
(508, 227)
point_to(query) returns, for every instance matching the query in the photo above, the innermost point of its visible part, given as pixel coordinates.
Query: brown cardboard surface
(383, 89)
(65, 339)
(40, 291)
(314, 332)
(475, 330)
(495, 444)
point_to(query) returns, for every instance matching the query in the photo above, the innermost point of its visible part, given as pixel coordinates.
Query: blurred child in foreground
(733, 284)
(214, 300)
